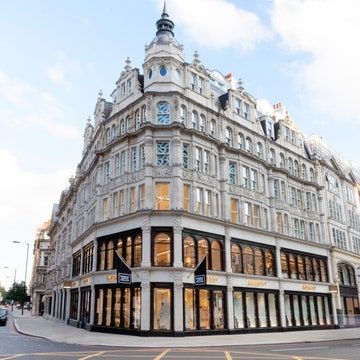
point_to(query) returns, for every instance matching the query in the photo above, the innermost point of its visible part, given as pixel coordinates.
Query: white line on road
(12, 357)
(303, 348)
(92, 355)
(160, 356)
(228, 356)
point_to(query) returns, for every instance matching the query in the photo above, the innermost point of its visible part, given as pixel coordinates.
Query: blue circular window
(163, 70)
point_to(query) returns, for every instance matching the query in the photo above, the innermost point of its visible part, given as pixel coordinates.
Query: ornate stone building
(39, 271)
(181, 165)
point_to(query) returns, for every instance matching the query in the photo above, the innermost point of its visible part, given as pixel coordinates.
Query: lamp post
(27, 255)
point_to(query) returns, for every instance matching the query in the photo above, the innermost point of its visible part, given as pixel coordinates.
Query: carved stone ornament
(178, 224)
(146, 224)
(149, 100)
(176, 102)
(176, 141)
(145, 280)
(178, 280)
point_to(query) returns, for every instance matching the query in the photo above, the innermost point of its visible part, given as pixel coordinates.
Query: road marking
(228, 356)
(12, 357)
(297, 358)
(92, 355)
(160, 356)
(307, 348)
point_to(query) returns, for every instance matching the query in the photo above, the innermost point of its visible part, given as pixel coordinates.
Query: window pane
(238, 310)
(137, 251)
(312, 310)
(203, 247)
(320, 310)
(327, 311)
(99, 307)
(162, 196)
(190, 309)
(189, 252)
(259, 268)
(216, 255)
(126, 308)
(218, 309)
(272, 310)
(162, 309)
(305, 310)
(236, 263)
(108, 307)
(261, 310)
(269, 263)
(292, 264)
(128, 250)
(248, 260)
(287, 310)
(136, 310)
(250, 310)
(162, 250)
(117, 305)
(110, 255)
(296, 310)
(204, 308)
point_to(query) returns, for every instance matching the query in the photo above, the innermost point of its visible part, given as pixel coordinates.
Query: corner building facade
(181, 165)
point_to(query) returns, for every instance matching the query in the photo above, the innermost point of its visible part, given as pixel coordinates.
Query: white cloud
(218, 23)
(264, 107)
(326, 32)
(63, 70)
(26, 202)
(27, 106)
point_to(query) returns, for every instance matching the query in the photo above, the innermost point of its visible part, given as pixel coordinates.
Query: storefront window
(261, 310)
(100, 307)
(320, 310)
(218, 309)
(327, 311)
(305, 310)
(312, 310)
(162, 309)
(288, 318)
(117, 305)
(250, 310)
(204, 305)
(162, 250)
(216, 256)
(190, 309)
(189, 252)
(74, 300)
(272, 310)
(248, 256)
(108, 307)
(85, 305)
(238, 310)
(126, 308)
(296, 310)
(136, 308)
(236, 263)
(203, 250)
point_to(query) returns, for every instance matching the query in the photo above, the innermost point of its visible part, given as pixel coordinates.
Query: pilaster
(145, 300)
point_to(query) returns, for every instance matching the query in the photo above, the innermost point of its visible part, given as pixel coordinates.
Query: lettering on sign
(85, 281)
(212, 279)
(74, 284)
(111, 278)
(308, 287)
(256, 282)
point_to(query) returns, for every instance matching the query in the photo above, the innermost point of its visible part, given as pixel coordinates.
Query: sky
(55, 57)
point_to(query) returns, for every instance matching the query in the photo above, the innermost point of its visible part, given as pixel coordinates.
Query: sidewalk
(56, 331)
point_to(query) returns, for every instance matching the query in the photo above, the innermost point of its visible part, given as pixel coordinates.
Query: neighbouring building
(181, 164)
(39, 271)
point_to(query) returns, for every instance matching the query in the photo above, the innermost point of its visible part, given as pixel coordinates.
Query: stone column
(79, 303)
(146, 243)
(281, 290)
(178, 261)
(95, 257)
(333, 280)
(145, 300)
(67, 309)
(230, 305)
(92, 305)
(227, 250)
(178, 302)
(272, 214)
(224, 203)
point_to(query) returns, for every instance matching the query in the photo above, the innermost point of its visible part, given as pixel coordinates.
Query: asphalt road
(16, 346)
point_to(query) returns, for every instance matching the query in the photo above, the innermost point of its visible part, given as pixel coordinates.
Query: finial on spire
(127, 65)
(240, 85)
(164, 25)
(89, 120)
(164, 10)
(196, 57)
(100, 93)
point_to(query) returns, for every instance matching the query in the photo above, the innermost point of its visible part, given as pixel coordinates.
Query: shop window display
(162, 309)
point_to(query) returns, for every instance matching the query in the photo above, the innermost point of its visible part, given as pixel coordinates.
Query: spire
(164, 25)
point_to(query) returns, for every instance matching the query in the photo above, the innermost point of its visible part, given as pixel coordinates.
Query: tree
(17, 293)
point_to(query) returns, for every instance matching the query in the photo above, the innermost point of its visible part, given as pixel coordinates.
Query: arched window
(110, 255)
(189, 252)
(292, 267)
(143, 114)
(248, 145)
(113, 131)
(128, 124)
(137, 119)
(304, 171)
(202, 123)
(102, 256)
(272, 157)
(296, 168)
(194, 120)
(316, 269)
(269, 263)
(240, 141)
(291, 166)
(228, 136)
(259, 262)
(236, 258)
(213, 127)
(301, 268)
(120, 249)
(203, 250)
(108, 135)
(122, 126)
(323, 271)
(162, 250)
(309, 269)
(183, 114)
(259, 150)
(248, 260)
(312, 176)
(351, 275)
(282, 161)
(284, 265)
(216, 255)
(163, 113)
(137, 251)
(128, 252)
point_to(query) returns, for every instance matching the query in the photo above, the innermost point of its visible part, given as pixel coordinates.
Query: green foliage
(17, 293)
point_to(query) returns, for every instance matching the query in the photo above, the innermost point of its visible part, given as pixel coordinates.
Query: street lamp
(27, 255)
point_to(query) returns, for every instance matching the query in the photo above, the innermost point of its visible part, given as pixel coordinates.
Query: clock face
(163, 70)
